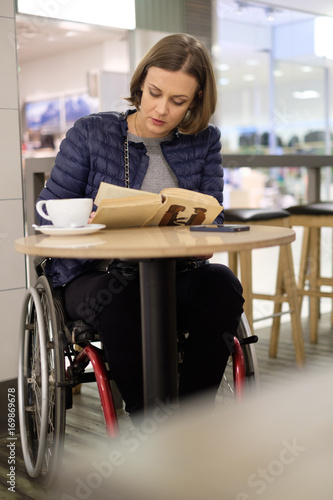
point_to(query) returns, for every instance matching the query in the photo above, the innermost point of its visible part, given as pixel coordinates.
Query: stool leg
(332, 288)
(245, 259)
(303, 268)
(291, 291)
(233, 262)
(279, 290)
(313, 282)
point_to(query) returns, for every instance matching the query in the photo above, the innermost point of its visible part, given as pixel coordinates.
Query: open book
(125, 207)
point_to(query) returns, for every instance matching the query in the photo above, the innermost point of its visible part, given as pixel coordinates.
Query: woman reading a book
(168, 142)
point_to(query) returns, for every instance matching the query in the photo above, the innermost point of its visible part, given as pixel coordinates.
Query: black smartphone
(223, 228)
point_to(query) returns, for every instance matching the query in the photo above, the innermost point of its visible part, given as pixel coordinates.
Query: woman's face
(166, 97)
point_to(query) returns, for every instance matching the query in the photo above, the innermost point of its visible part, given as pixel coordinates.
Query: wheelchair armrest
(81, 331)
(39, 263)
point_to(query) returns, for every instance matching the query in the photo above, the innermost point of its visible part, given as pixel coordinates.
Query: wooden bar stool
(312, 217)
(286, 289)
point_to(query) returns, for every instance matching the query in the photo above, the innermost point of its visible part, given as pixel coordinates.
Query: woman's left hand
(205, 257)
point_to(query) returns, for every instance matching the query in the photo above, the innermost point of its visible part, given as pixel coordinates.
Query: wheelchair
(53, 356)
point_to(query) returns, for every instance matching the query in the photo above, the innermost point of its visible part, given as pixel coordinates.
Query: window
(274, 96)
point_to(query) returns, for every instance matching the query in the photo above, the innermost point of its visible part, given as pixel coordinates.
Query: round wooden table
(152, 242)
(156, 249)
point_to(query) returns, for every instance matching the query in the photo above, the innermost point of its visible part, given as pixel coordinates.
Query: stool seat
(318, 208)
(253, 214)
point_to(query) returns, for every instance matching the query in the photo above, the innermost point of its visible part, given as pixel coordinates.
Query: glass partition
(275, 98)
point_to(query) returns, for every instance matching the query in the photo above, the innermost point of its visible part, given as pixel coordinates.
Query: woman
(170, 144)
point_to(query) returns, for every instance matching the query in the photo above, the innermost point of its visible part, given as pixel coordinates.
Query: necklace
(136, 130)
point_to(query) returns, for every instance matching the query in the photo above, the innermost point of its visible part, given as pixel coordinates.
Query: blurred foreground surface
(271, 446)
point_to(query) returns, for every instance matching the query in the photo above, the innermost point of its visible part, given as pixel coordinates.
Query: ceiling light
(240, 8)
(306, 69)
(223, 81)
(72, 26)
(306, 94)
(249, 78)
(223, 67)
(270, 14)
(252, 62)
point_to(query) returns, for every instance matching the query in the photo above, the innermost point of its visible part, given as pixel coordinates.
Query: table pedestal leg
(159, 331)
(245, 259)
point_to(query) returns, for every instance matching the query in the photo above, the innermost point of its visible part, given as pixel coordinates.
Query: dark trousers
(209, 306)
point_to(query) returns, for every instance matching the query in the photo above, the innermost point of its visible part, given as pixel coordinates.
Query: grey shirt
(159, 174)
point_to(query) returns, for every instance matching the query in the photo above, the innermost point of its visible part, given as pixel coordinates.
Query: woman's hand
(205, 257)
(92, 215)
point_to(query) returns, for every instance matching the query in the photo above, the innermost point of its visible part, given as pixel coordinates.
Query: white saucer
(69, 231)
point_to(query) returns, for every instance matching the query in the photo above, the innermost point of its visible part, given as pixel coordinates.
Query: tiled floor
(85, 423)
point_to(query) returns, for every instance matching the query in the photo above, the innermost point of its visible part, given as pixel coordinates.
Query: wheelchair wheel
(41, 390)
(229, 388)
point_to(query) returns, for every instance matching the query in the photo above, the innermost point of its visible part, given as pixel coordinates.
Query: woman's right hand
(92, 215)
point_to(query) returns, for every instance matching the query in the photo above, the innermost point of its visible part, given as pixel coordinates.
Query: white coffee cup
(73, 212)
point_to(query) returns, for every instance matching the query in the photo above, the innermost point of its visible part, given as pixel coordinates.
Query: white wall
(12, 264)
(68, 71)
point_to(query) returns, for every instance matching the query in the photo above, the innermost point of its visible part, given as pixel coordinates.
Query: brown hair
(181, 52)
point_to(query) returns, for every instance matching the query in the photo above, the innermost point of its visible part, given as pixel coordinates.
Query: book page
(108, 191)
(127, 212)
(185, 207)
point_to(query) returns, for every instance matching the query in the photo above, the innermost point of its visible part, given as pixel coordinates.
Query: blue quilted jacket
(93, 151)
